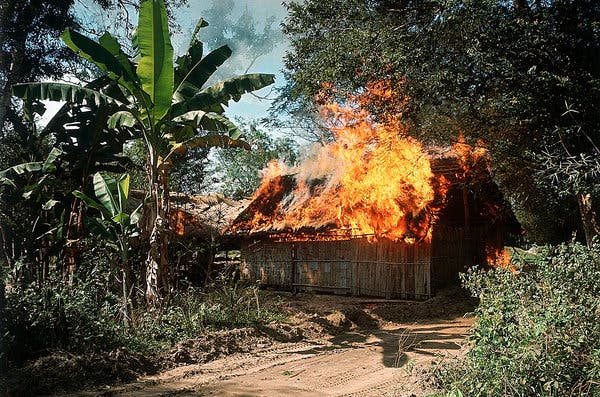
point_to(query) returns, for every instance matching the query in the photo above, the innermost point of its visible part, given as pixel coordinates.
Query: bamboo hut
(472, 221)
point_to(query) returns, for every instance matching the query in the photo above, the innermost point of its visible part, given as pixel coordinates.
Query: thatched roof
(445, 163)
(215, 211)
(207, 214)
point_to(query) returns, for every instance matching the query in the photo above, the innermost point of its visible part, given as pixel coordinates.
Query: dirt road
(357, 349)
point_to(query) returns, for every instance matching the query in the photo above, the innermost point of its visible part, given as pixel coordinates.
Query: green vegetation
(239, 170)
(538, 327)
(115, 226)
(142, 95)
(164, 105)
(88, 266)
(84, 314)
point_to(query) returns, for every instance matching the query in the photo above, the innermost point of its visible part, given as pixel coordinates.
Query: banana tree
(83, 145)
(167, 103)
(114, 225)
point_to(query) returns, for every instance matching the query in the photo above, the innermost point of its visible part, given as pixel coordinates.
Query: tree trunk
(588, 217)
(157, 260)
(6, 251)
(156, 223)
(13, 75)
(125, 292)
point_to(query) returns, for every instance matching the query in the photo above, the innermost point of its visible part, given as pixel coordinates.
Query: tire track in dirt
(341, 366)
(349, 362)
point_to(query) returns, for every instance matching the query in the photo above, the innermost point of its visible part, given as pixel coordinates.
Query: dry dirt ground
(332, 346)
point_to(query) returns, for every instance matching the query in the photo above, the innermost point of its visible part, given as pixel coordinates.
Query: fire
(372, 180)
(499, 257)
(469, 156)
(182, 221)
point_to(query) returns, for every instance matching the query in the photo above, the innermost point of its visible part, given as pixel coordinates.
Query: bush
(84, 315)
(79, 316)
(538, 327)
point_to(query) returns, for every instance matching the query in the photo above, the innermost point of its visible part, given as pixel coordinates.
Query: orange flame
(372, 180)
(499, 257)
(181, 222)
(469, 156)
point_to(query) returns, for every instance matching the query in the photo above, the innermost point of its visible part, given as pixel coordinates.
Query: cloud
(249, 106)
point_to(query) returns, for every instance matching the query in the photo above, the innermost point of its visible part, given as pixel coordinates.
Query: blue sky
(249, 107)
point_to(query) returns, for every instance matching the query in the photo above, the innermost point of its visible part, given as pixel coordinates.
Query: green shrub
(83, 315)
(538, 327)
(78, 316)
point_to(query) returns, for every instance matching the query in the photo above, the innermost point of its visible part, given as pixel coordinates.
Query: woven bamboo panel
(268, 262)
(384, 268)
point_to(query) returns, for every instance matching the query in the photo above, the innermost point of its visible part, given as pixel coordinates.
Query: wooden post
(294, 268)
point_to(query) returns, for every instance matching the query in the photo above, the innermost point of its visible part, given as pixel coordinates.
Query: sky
(249, 107)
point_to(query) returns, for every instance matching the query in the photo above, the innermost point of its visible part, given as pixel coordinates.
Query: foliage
(248, 39)
(32, 214)
(239, 170)
(82, 145)
(165, 104)
(115, 224)
(77, 316)
(225, 304)
(117, 16)
(192, 174)
(30, 49)
(83, 314)
(522, 76)
(537, 328)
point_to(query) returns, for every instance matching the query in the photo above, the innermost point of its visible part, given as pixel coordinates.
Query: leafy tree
(83, 145)
(523, 76)
(192, 174)
(115, 224)
(239, 170)
(33, 221)
(30, 47)
(166, 105)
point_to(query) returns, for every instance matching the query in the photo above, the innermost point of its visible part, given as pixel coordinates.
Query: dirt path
(379, 361)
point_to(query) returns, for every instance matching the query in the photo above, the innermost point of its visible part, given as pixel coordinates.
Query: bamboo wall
(358, 267)
(268, 262)
(455, 249)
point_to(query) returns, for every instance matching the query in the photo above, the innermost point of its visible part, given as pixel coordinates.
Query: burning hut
(372, 213)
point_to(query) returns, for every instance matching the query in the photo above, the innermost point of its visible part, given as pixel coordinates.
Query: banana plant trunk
(157, 261)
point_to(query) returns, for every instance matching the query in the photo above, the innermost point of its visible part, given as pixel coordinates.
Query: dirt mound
(61, 371)
(214, 345)
(361, 319)
(282, 332)
(223, 343)
(447, 304)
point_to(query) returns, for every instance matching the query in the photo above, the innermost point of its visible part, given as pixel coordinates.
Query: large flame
(372, 180)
